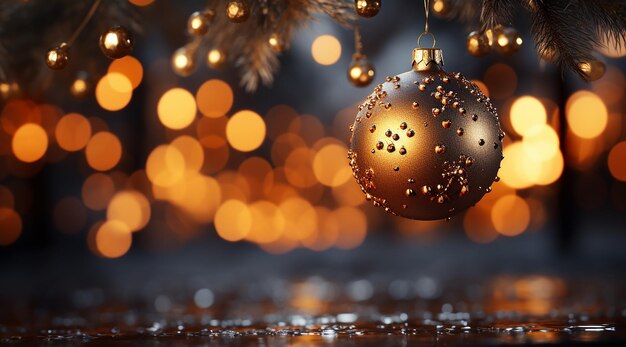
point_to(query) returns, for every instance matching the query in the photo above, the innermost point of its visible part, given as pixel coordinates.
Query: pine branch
(558, 27)
(496, 12)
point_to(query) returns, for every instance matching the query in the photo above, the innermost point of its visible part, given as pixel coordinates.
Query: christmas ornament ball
(237, 11)
(361, 72)
(593, 69)
(57, 57)
(198, 22)
(426, 144)
(477, 44)
(367, 8)
(116, 42)
(508, 40)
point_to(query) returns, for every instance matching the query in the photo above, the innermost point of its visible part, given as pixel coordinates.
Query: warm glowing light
(114, 90)
(326, 50)
(352, 225)
(586, 114)
(268, 222)
(192, 151)
(103, 151)
(510, 215)
(69, 215)
(233, 220)
(215, 58)
(617, 161)
(329, 165)
(30, 143)
(245, 131)
(540, 142)
(300, 218)
(113, 239)
(299, 169)
(514, 167)
(197, 195)
(97, 190)
(177, 108)
(73, 132)
(327, 232)
(612, 48)
(215, 98)
(348, 194)
(141, 2)
(130, 67)
(548, 171)
(526, 112)
(79, 87)
(165, 166)
(131, 208)
(10, 226)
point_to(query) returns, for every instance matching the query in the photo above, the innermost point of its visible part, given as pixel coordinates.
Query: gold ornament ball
(508, 41)
(216, 58)
(426, 144)
(477, 44)
(593, 69)
(57, 57)
(441, 7)
(277, 43)
(367, 8)
(237, 11)
(184, 61)
(198, 23)
(116, 42)
(361, 72)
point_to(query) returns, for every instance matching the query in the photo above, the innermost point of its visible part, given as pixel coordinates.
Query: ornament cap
(427, 59)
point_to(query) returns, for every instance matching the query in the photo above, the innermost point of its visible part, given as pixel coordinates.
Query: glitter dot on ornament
(445, 164)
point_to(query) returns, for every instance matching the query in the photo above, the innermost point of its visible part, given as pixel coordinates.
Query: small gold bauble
(184, 61)
(198, 22)
(116, 42)
(81, 85)
(508, 41)
(441, 7)
(216, 58)
(361, 72)
(9, 90)
(477, 44)
(592, 69)
(367, 8)
(426, 144)
(57, 57)
(277, 42)
(237, 11)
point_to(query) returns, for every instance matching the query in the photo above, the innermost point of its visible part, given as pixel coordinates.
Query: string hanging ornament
(360, 72)
(426, 144)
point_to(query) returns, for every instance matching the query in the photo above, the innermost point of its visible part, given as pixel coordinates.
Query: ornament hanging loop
(426, 33)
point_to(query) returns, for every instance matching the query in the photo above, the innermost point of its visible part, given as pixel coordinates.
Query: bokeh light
(329, 165)
(97, 190)
(214, 98)
(10, 226)
(510, 215)
(527, 112)
(141, 2)
(326, 50)
(131, 208)
(130, 67)
(192, 152)
(617, 161)
(177, 108)
(113, 239)
(233, 220)
(103, 151)
(586, 114)
(540, 142)
(30, 143)
(352, 225)
(165, 166)
(477, 224)
(114, 91)
(245, 131)
(72, 132)
(501, 80)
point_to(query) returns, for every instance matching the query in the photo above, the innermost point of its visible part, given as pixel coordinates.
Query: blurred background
(121, 174)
